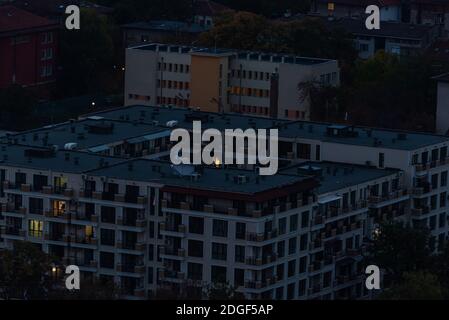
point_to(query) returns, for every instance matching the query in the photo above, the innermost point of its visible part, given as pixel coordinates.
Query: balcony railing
(431, 164)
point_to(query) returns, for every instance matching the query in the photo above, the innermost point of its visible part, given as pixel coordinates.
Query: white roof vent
(70, 146)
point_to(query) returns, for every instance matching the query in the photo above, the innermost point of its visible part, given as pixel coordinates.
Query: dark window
(239, 254)
(196, 225)
(282, 225)
(443, 181)
(292, 246)
(106, 260)
(381, 160)
(36, 206)
(107, 237)
(219, 251)
(39, 181)
(302, 264)
(302, 287)
(303, 151)
(218, 274)
(240, 230)
(305, 219)
(195, 271)
(107, 214)
(290, 291)
(281, 249)
(303, 240)
(195, 248)
(293, 222)
(239, 277)
(220, 228)
(21, 178)
(291, 268)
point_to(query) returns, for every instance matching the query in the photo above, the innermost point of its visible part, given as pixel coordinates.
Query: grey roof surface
(166, 25)
(60, 161)
(335, 176)
(221, 180)
(78, 132)
(369, 137)
(162, 115)
(240, 54)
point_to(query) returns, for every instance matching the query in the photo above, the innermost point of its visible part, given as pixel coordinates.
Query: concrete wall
(141, 67)
(442, 116)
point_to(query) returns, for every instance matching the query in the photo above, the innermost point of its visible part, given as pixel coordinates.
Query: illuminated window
(59, 208)
(35, 228)
(89, 232)
(60, 184)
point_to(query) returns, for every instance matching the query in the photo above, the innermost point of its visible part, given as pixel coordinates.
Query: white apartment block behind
(224, 80)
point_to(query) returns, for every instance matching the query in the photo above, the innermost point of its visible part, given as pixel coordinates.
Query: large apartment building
(151, 226)
(422, 158)
(220, 80)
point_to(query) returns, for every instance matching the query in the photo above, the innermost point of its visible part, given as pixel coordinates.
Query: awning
(150, 137)
(327, 199)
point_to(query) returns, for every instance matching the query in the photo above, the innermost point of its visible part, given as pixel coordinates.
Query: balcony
(433, 164)
(419, 211)
(84, 240)
(13, 231)
(377, 200)
(174, 228)
(10, 208)
(422, 189)
(174, 252)
(315, 288)
(260, 237)
(58, 214)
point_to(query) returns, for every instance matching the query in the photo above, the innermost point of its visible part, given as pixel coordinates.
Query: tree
(241, 30)
(89, 290)
(323, 99)
(388, 91)
(223, 291)
(87, 56)
(269, 8)
(138, 10)
(415, 286)
(24, 272)
(16, 105)
(306, 37)
(399, 249)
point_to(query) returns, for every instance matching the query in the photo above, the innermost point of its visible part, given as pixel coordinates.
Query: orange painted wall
(205, 76)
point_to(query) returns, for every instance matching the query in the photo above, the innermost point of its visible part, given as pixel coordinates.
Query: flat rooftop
(234, 53)
(166, 25)
(210, 179)
(47, 159)
(336, 176)
(161, 115)
(86, 133)
(346, 134)
(360, 136)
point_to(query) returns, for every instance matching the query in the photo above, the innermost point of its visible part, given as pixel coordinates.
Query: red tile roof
(14, 19)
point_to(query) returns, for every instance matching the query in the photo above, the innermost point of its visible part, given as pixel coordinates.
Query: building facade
(28, 48)
(390, 10)
(222, 80)
(442, 114)
(431, 12)
(150, 226)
